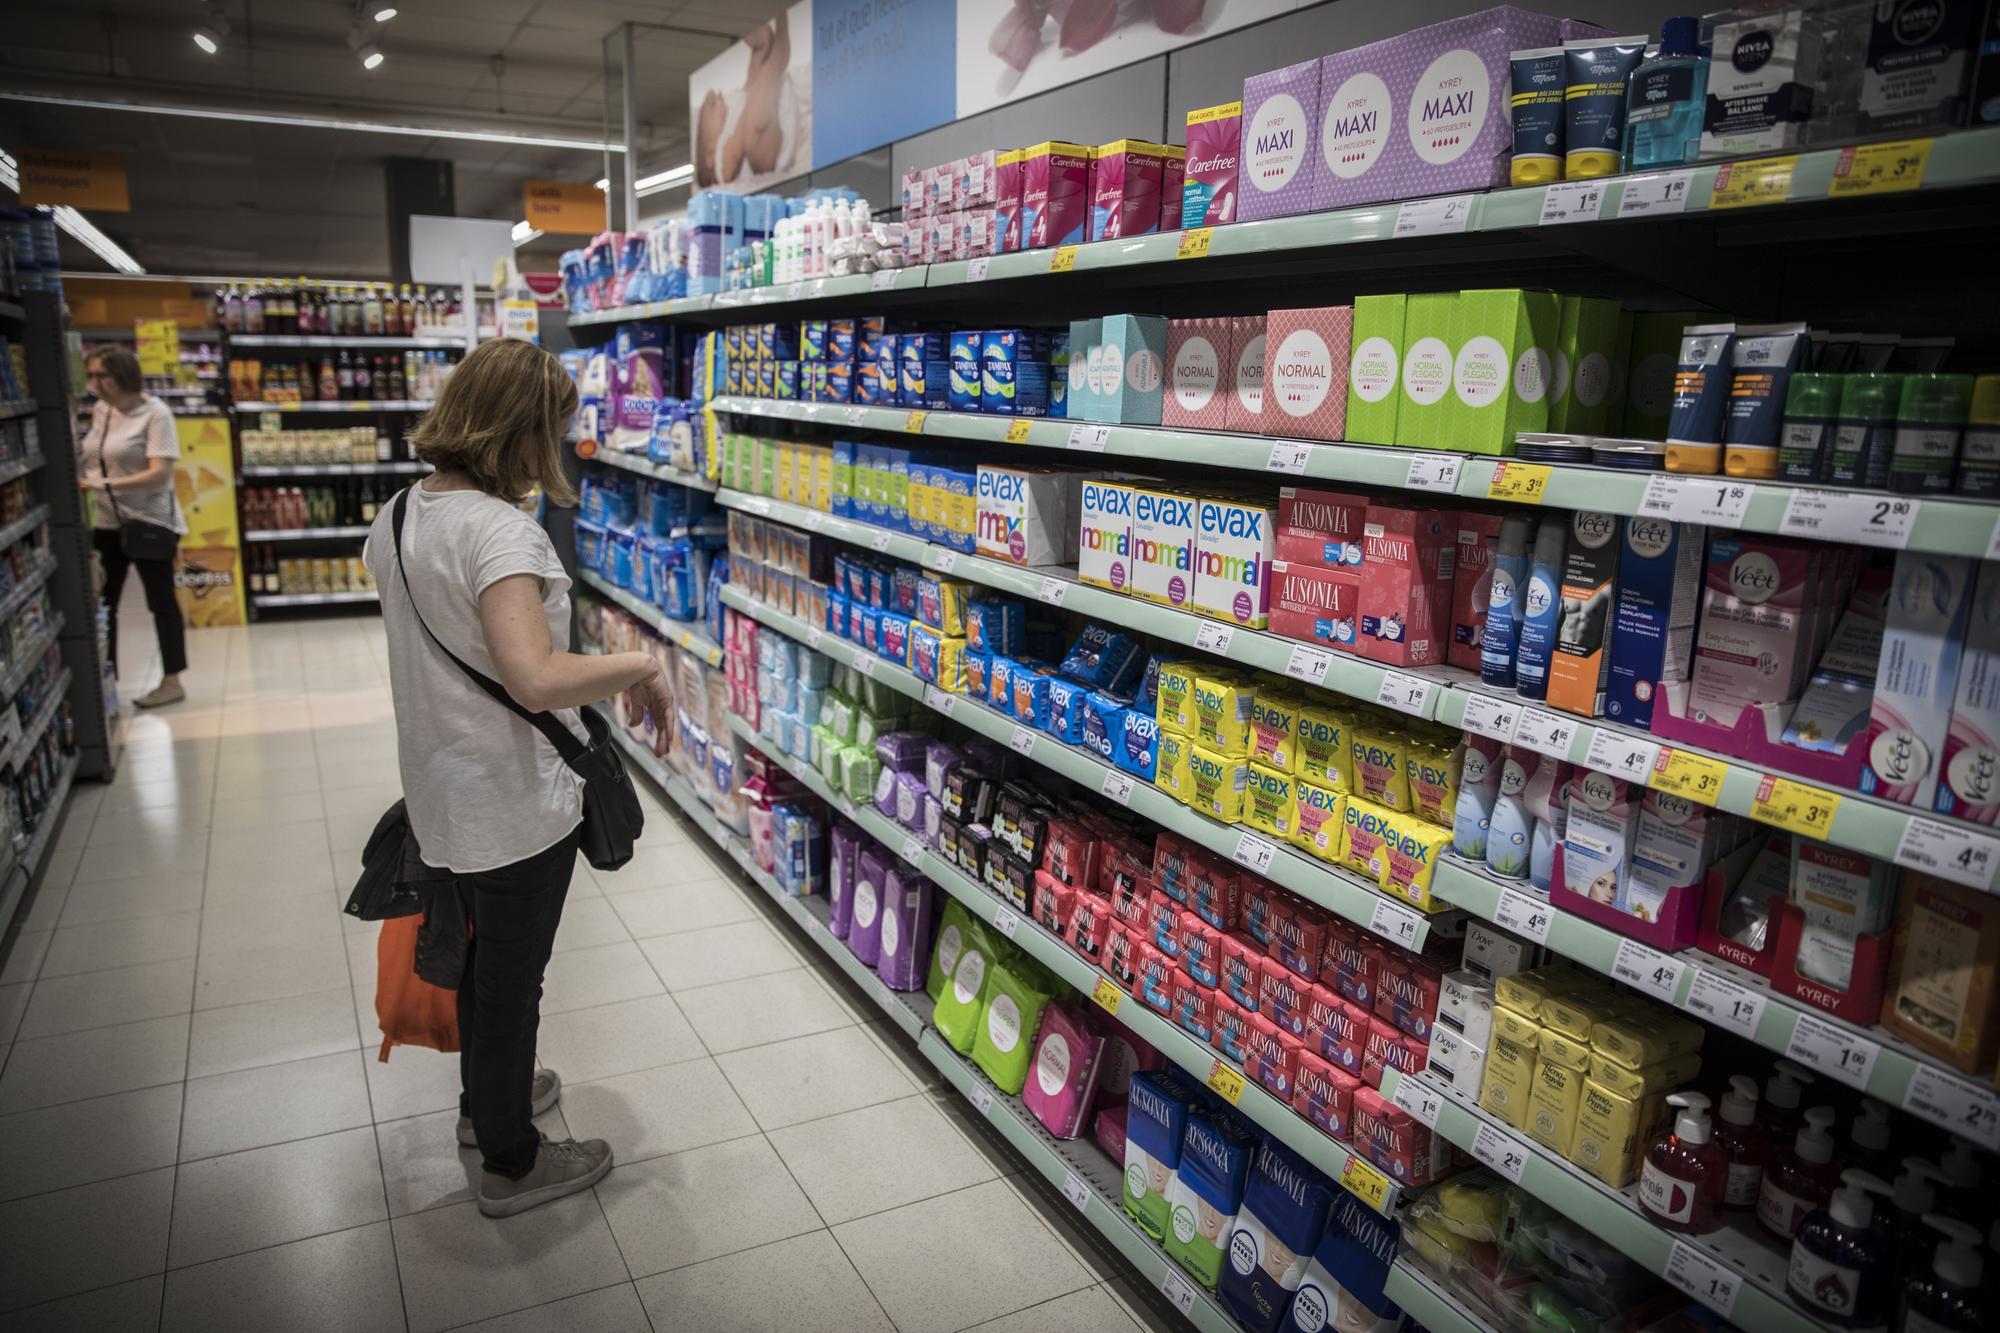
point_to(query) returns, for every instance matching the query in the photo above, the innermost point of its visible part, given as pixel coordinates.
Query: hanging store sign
(572, 207)
(82, 180)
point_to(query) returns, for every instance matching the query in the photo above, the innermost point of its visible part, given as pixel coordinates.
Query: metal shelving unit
(645, 467)
(290, 599)
(678, 632)
(338, 406)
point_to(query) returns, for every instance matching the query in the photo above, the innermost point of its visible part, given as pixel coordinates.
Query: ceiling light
(604, 182)
(371, 55)
(76, 224)
(208, 39)
(213, 28)
(383, 15)
(664, 180)
(524, 232)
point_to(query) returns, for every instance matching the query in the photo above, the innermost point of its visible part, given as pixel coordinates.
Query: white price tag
(814, 519)
(1396, 923)
(1621, 756)
(880, 541)
(795, 291)
(1831, 1050)
(1492, 718)
(1954, 853)
(812, 411)
(1967, 1109)
(1416, 1097)
(1054, 591)
(1214, 636)
(1023, 739)
(1076, 1192)
(884, 279)
(1648, 969)
(1872, 519)
(1255, 853)
(1502, 1152)
(1309, 664)
(758, 504)
(1179, 1291)
(819, 286)
(942, 559)
(938, 701)
(1434, 217)
(855, 415)
(1716, 501)
(1720, 1000)
(1117, 787)
(813, 635)
(1006, 921)
(1288, 458)
(1092, 438)
(1433, 472)
(981, 1098)
(912, 850)
(1525, 916)
(1993, 542)
(864, 664)
(1650, 196)
(1573, 201)
(1703, 1278)
(1545, 732)
(1404, 692)
(975, 269)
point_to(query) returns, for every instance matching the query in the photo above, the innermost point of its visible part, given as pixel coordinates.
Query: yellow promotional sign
(159, 346)
(575, 207)
(81, 180)
(208, 577)
(520, 319)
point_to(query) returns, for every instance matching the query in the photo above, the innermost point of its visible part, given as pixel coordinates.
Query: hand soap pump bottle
(1913, 1197)
(1783, 1093)
(1800, 1178)
(1681, 1184)
(1842, 1270)
(1665, 98)
(1868, 1141)
(1959, 1196)
(1947, 1298)
(1743, 1142)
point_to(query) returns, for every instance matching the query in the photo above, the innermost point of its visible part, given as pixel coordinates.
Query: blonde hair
(500, 418)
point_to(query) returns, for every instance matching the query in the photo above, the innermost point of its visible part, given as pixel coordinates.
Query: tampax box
(1305, 372)
(1128, 373)
(1125, 188)
(1232, 560)
(966, 345)
(1316, 604)
(1406, 573)
(1423, 409)
(1104, 534)
(1208, 187)
(1279, 164)
(1013, 372)
(1245, 380)
(1027, 515)
(1471, 583)
(1199, 356)
(1582, 663)
(1374, 369)
(1163, 536)
(1321, 527)
(1501, 367)
(1055, 194)
(1652, 626)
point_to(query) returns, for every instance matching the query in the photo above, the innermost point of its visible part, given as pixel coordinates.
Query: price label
(1545, 732)
(1648, 969)
(1062, 259)
(1621, 756)
(1076, 1191)
(1289, 458)
(938, 701)
(1880, 168)
(1090, 438)
(884, 280)
(1054, 591)
(913, 424)
(1967, 1109)
(912, 851)
(1107, 995)
(1834, 1051)
(864, 664)
(1720, 1000)
(1225, 1082)
(1179, 1293)
(1523, 482)
(1006, 921)
(981, 1098)
(1022, 741)
(1651, 196)
(1703, 1278)
(1194, 243)
(1419, 1099)
(1718, 502)
(1309, 664)
(759, 505)
(1945, 850)
(884, 997)
(1434, 217)
(975, 269)
(815, 519)
(1396, 923)
(1255, 853)
(942, 558)
(855, 415)
(795, 291)
(811, 411)
(1117, 787)
(1502, 1152)
(1794, 806)
(1525, 916)
(1017, 431)
(1684, 773)
(1435, 472)
(1404, 692)
(1768, 180)
(1365, 1183)
(1573, 201)
(1851, 516)
(813, 635)
(1492, 718)
(1214, 637)
(880, 541)
(819, 286)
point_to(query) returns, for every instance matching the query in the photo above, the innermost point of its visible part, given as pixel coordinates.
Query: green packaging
(1805, 439)
(1864, 436)
(1501, 370)
(1621, 365)
(1979, 454)
(1580, 393)
(1424, 413)
(1374, 369)
(1650, 359)
(1929, 421)
(952, 929)
(1016, 993)
(962, 1001)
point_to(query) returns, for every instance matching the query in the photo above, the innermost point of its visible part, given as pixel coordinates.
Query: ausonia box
(1316, 604)
(1200, 355)
(1406, 570)
(1232, 560)
(1305, 372)
(1374, 369)
(1163, 534)
(1471, 585)
(1279, 167)
(1104, 534)
(1320, 527)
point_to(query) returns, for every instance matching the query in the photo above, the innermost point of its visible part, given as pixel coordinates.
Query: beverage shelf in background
(21, 467)
(338, 405)
(16, 675)
(683, 633)
(377, 342)
(36, 725)
(306, 534)
(280, 600)
(24, 587)
(411, 468)
(646, 467)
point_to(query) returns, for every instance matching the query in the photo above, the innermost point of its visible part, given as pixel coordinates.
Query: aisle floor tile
(672, 908)
(760, 1010)
(128, 943)
(270, 1196)
(423, 1167)
(620, 1038)
(878, 1158)
(412, 1081)
(668, 1212)
(281, 923)
(84, 1237)
(657, 1111)
(613, 1309)
(802, 1285)
(120, 899)
(719, 953)
(339, 1283)
(273, 1104)
(245, 976)
(588, 922)
(807, 1078)
(13, 1003)
(1091, 1310)
(458, 1266)
(101, 999)
(584, 978)
(51, 1070)
(652, 867)
(24, 956)
(128, 1307)
(56, 1147)
(269, 1032)
(161, 860)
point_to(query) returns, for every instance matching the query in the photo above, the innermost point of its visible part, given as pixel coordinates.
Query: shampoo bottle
(1868, 1141)
(1946, 1298)
(1799, 1178)
(1743, 1142)
(1503, 604)
(1782, 1094)
(1541, 613)
(1681, 1185)
(1841, 1270)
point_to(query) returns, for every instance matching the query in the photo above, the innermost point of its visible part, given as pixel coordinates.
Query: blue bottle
(1665, 99)
(1842, 1269)
(1541, 613)
(1503, 602)
(1947, 1298)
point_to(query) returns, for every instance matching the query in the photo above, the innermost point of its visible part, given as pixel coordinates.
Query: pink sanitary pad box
(1315, 604)
(1406, 567)
(915, 204)
(1173, 173)
(1208, 186)
(1062, 1080)
(1305, 371)
(1281, 169)
(1201, 355)
(975, 179)
(1321, 527)
(1055, 194)
(1422, 113)
(1007, 201)
(1109, 1131)
(1246, 377)
(1124, 189)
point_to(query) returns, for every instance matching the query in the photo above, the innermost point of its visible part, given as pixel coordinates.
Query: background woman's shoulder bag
(137, 538)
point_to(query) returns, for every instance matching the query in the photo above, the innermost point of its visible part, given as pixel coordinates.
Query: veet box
(1502, 371)
(1406, 574)
(1125, 178)
(1374, 369)
(1199, 354)
(1321, 527)
(1232, 560)
(1208, 187)
(1305, 372)
(1246, 377)
(1280, 167)
(1315, 604)
(1104, 535)
(1055, 198)
(1653, 623)
(1163, 541)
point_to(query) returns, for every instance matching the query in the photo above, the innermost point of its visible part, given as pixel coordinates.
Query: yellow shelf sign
(1017, 431)
(1768, 180)
(1362, 1180)
(1225, 1082)
(1526, 482)
(913, 424)
(1880, 168)
(1062, 259)
(1107, 995)
(1194, 243)
(1795, 807)
(1683, 773)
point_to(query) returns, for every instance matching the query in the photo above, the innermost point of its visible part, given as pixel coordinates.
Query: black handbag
(137, 538)
(612, 817)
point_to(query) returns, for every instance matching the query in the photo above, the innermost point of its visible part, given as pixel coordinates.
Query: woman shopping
(128, 460)
(465, 574)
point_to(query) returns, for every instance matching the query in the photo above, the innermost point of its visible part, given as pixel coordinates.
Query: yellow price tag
(1362, 1180)
(1520, 481)
(1768, 180)
(1694, 776)
(1062, 259)
(1107, 995)
(1225, 1082)
(1880, 168)
(1194, 243)
(913, 424)
(1017, 431)
(1795, 807)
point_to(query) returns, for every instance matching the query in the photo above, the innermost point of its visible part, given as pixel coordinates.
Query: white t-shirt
(484, 788)
(125, 444)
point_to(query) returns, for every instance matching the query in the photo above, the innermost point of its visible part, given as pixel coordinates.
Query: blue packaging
(869, 468)
(1136, 747)
(621, 554)
(872, 388)
(1103, 658)
(999, 353)
(1216, 1151)
(941, 602)
(1057, 370)
(840, 340)
(1031, 694)
(1000, 683)
(871, 628)
(910, 359)
(1068, 707)
(1155, 1123)
(995, 625)
(978, 674)
(843, 467)
(1284, 1214)
(881, 586)
(895, 637)
(903, 581)
(871, 337)
(963, 395)
(812, 340)
(1104, 726)
(1659, 592)
(784, 382)
(923, 655)
(837, 605)
(839, 382)
(1343, 1285)
(961, 528)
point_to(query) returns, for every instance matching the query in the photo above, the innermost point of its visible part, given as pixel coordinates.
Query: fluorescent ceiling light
(385, 14)
(317, 122)
(371, 56)
(208, 39)
(75, 223)
(523, 233)
(664, 180)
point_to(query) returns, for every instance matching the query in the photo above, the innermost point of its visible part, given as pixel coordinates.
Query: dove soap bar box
(1280, 165)
(1652, 626)
(1374, 369)
(1582, 663)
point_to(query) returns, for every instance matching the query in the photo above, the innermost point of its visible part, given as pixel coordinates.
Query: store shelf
(378, 342)
(685, 305)
(21, 467)
(36, 725)
(24, 664)
(17, 407)
(880, 540)
(907, 278)
(674, 631)
(1752, 1268)
(279, 600)
(23, 525)
(1429, 1304)
(24, 587)
(400, 469)
(900, 679)
(645, 467)
(28, 861)
(306, 534)
(343, 405)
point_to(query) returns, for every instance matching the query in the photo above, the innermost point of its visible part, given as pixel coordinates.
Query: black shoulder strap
(565, 741)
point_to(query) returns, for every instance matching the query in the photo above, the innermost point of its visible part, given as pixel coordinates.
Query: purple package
(902, 751)
(1208, 185)
(904, 960)
(1055, 194)
(909, 800)
(1423, 113)
(636, 379)
(939, 756)
(845, 848)
(1279, 167)
(871, 882)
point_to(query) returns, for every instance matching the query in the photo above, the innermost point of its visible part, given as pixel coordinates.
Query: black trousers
(157, 578)
(515, 911)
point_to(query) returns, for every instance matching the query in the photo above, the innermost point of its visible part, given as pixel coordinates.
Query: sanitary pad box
(1285, 1207)
(1501, 367)
(1200, 354)
(1232, 560)
(1127, 375)
(1321, 527)
(1246, 378)
(1208, 185)
(1315, 604)
(1917, 679)
(1305, 372)
(1055, 198)
(1125, 177)
(1374, 369)
(1406, 575)
(1163, 537)
(1652, 627)
(1104, 535)
(1471, 585)
(1422, 411)
(1027, 516)
(1280, 166)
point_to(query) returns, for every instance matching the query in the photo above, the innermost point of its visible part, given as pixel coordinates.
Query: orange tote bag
(410, 1011)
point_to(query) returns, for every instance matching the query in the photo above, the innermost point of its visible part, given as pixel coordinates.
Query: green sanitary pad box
(1374, 369)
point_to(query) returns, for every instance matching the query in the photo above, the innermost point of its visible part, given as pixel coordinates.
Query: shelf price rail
(678, 632)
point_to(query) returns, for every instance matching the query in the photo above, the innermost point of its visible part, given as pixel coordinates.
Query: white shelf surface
(645, 467)
(681, 632)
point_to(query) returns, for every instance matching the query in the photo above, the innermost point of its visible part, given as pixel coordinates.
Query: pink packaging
(1407, 994)
(1125, 1054)
(1208, 184)
(1354, 963)
(1194, 1007)
(1246, 399)
(1242, 970)
(1471, 581)
(1216, 890)
(1271, 1057)
(979, 226)
(937, 189)
(1324, 1095)
(1388, 1048)
(956, 235)
(916, 202)
(1315, 605)
(1173, 169)
(946, 175)
(1199, 351)
(1391, 1137)
(1109, 1131)
(1281, 169)
(1336, 1031)
(1055, 195)
(976, 182)
(1406, 576)
(1754, 626)
(1124, 189)
(1320, 527)
(1163, 926)
(1281, 997)
(1305, 372)
(1062, 1081)
(1298, 940)
(1200, 950)
(1007, 201)
(1154, 978)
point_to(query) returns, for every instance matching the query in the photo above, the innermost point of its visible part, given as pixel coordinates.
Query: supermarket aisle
(195, 1134)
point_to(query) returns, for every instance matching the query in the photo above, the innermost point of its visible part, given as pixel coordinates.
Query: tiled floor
(195, 1133)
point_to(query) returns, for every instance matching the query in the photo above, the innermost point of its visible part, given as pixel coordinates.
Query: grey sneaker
(561, 1168)
(161, 694)
(548, 1091)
